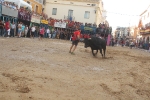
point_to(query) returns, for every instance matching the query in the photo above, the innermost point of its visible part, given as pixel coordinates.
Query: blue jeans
(5, 32)
(47, 35)
(35, 34)
(54, 35)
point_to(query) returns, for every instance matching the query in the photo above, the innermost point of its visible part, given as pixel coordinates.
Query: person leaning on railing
(1, 1)
(9, 4)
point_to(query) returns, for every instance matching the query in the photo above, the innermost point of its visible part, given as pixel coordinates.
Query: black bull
(96, 44)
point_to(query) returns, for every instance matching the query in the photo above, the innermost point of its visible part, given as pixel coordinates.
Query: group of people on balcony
(24, 14)
(9, 4)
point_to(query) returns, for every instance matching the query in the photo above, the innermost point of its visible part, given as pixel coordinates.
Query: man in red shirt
(7, 28)
(42, 30)
(75, 40)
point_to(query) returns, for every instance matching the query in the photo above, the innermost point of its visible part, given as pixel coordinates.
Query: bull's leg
(101, 52)
(96, 51)
(104, 50)
(93, 52)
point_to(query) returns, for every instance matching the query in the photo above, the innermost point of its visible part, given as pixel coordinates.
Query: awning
(148, 30)
(20, 3)
(143, 31)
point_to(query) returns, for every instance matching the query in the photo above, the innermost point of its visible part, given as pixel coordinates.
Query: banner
(60, 24)
(44, 21)
(35, 19)
(88, 28)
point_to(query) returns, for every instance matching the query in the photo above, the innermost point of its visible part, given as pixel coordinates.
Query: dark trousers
(12, 32)
(35, 34)
(1, 32)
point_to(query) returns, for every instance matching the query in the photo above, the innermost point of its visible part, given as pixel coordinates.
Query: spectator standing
(26, 31)
(131, 44)
(32, 31)
(1, 28)
(13, 26)
(42, 31)
(37, 31)
(19, 29)
(7, 29)
(23, 29)
(54, 34)
(149, 46)
(47, 32)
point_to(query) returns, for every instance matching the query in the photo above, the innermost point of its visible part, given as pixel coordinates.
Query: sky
(124, 13)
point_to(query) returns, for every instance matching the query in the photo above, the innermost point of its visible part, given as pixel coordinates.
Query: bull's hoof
(104, 57)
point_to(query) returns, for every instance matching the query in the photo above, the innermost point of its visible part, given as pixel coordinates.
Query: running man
(75, 41)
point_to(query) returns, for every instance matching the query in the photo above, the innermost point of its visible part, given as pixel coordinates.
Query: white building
(122, 32)
(85, 11)
(144, 25)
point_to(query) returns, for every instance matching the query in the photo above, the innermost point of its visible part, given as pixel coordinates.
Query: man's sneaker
(72, 53)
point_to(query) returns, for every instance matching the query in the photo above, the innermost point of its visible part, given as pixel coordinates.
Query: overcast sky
(124, 12)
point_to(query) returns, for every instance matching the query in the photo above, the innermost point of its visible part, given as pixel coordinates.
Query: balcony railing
(69, 18)
(9, 12)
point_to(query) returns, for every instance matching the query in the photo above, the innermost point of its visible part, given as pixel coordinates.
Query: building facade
(85, 11)
(122, 32)
(144, 25)
(37, 5)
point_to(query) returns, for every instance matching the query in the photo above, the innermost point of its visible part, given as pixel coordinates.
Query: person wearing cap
(75, 41)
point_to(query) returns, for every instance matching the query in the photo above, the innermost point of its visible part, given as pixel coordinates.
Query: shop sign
(60, 24)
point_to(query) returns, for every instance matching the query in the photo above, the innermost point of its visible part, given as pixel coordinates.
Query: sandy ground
(45, 70)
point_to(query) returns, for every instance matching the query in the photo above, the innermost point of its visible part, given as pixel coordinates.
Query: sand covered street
(45, 70)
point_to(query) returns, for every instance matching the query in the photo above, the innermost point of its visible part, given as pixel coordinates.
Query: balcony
(92, 1)
(9, 12)
(69, 18)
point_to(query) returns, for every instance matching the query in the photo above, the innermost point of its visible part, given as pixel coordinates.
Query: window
(39, 1)
(28, 2)
(36, 9)
(54, 12)
(87, 15)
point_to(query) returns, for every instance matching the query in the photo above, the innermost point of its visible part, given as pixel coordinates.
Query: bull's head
(87, 42)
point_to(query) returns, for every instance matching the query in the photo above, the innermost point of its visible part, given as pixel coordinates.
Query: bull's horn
(89, 38)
